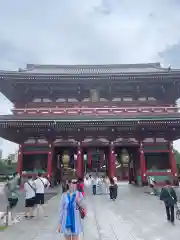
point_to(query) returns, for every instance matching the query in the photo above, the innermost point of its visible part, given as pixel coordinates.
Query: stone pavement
(1, 187)
(134, 216)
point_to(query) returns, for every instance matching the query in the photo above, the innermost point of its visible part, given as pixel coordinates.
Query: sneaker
(151, 193)
(15, 221)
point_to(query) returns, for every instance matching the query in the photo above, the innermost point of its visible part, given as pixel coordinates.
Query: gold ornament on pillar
(65, 159)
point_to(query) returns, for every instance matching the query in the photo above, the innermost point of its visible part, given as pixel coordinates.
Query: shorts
(12, 202)
(40, 198)
(30, 202)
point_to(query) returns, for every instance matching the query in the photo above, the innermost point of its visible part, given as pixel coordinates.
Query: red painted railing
(97, 111)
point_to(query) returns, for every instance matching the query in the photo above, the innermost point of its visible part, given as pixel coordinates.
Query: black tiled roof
(4, 118)
(92, 69)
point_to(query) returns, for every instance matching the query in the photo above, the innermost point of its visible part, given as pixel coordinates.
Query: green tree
(6, 169)
(177, 157)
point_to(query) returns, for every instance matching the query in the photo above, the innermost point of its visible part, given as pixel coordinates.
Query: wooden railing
(96, 111)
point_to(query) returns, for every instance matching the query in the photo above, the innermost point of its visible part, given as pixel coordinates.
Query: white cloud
(86, 31)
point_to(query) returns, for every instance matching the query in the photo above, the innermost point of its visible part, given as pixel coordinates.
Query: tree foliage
(177, 157)
(7, 169)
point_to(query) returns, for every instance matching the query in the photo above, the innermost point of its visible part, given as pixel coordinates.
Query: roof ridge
(76, 66)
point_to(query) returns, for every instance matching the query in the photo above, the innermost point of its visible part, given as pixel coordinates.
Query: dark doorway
(127, 162)
(158, 161)
(60, 153)
(98, 165)
(35, 163)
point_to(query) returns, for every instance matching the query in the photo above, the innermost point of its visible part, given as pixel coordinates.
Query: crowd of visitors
(72, 204)
(34, 188)
(103, 185)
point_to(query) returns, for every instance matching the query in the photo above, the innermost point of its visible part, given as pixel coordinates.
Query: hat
(74, 181)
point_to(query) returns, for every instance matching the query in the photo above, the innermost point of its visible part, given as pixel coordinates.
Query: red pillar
(89, 155)
(50, 161)
(20, 159)
(173, 162)
(111, 162)
(79, 166)
(142, 165)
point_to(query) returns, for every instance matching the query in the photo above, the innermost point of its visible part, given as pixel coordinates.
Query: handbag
(82, 210)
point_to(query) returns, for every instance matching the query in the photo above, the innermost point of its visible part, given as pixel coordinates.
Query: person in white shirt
(94, 185)
(30, 194)
(152, 183)
(41, 183)
(99, 185)
(115, 179)
(107, 183)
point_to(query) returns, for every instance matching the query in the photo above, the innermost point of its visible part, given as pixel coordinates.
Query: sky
(87, 32)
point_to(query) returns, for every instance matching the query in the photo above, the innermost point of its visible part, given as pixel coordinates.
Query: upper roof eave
(71, 70)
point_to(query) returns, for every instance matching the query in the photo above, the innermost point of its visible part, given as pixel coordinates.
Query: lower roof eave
(86, 119)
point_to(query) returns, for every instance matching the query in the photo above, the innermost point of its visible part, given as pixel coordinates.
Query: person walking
(10, 190)
(94, 185)
(113, 189)
(70, 218)
(30, 197)
(107, 183)
(40, 184)
(103, 185)
(99, 185)
(152, 183)
(169, 197)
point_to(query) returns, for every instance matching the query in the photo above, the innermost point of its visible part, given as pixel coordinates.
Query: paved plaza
(19, 210)
(134, 216)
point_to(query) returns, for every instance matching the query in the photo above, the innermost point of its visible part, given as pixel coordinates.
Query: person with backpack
(30, 197)
(169, 197)
(41, 184)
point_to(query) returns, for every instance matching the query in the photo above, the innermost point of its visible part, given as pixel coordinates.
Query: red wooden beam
(33, 174)
(36, 144)
(35, 152)
(155, 144)
(156, 151)
(158, 173)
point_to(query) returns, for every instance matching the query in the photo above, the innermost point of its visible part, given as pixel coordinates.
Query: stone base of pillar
(176, 182)
(145, 183)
